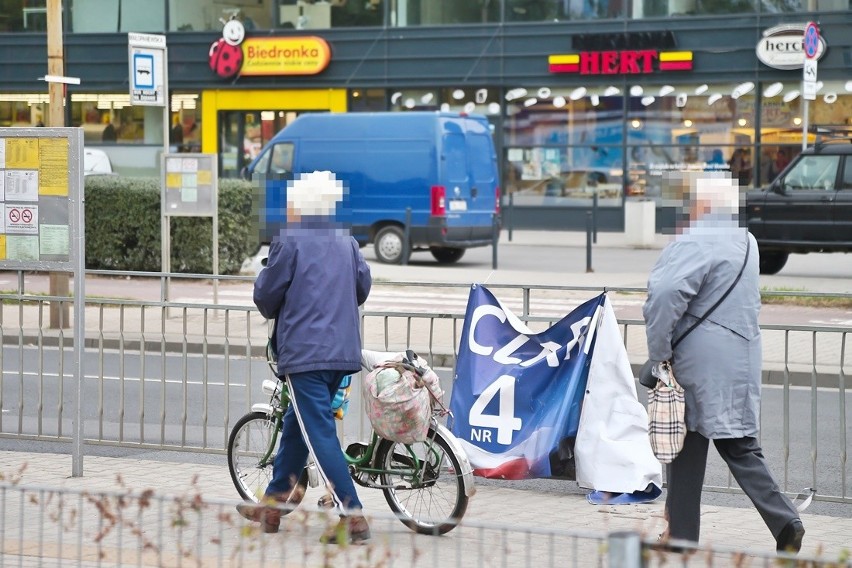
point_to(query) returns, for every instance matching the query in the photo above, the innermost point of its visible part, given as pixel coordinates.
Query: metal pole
(589, 241)
(165, 223)
(406, 237)
(595, 216)
(495, 237)
(804, 123)
(215, 190)
(625, 549)
(511, 215)
(79, 317)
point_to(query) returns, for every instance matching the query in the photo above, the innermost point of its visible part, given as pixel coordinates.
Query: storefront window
(105, 16)
(685, 127)
(367, 100)
(157, 16)
(563, 147)
(27, 109)
(185, 133)
(440, 12)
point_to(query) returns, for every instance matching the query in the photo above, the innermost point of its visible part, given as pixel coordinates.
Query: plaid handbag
(666, 425)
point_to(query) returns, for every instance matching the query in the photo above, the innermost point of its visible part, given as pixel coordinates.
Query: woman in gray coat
(719, 362)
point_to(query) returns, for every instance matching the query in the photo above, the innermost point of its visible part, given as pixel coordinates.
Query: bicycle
(428, 484)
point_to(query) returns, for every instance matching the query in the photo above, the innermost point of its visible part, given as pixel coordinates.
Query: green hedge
(123, 228)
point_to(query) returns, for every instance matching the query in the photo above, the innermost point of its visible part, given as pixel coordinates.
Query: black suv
(807, 208)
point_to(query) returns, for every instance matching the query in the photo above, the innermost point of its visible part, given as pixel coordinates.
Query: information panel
(41, 180)
(190, 184)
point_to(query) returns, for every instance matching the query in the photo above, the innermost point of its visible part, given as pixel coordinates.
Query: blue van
(442, 165)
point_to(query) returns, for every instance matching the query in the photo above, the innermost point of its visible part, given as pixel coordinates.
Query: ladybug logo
(226, 56)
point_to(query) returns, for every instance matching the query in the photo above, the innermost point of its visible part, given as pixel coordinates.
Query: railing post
(624, 549)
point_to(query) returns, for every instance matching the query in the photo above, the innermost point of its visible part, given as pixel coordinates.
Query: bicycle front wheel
(423, 483)
(247, 446)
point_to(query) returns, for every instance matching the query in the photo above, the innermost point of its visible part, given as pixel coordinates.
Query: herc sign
(624, 62)
(781, 47)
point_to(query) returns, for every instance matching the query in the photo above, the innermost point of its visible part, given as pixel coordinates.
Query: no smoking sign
(21, 219)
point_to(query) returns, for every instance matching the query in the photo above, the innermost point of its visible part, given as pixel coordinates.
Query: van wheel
(389, 245)
(447, 255)
(771, 262)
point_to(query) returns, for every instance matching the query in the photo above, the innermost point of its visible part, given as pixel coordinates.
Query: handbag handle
(719, 301)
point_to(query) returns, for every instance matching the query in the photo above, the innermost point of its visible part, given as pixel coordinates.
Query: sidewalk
(563, 505)
(519, 511)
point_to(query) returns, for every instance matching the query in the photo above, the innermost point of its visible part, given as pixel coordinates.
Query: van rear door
(470, 177)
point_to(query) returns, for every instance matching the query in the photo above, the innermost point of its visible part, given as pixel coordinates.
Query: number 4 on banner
(506, 423)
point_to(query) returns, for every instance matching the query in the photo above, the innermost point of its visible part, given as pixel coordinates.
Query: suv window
(847, 175)
(813, 172)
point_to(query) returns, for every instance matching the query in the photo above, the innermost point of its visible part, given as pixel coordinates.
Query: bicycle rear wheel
(423, 483)
(247, 445)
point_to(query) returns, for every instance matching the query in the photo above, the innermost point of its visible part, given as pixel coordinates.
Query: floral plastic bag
(399, 402)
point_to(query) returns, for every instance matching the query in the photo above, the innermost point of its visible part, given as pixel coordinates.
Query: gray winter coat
(719, 363)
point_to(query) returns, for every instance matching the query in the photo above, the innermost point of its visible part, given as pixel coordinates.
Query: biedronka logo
(226, 55)
(231, 55)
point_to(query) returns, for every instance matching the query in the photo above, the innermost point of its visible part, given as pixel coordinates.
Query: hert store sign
(622, 62)
(781, 47)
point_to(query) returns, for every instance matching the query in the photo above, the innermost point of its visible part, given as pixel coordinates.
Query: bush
(123, 228)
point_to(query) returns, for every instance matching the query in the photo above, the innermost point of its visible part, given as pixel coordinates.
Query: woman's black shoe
(790, 539)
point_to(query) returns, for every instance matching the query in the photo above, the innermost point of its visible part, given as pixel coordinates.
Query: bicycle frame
(361, 463)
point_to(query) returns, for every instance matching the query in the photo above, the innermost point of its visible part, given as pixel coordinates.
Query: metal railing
(48, 526)
(177, 376)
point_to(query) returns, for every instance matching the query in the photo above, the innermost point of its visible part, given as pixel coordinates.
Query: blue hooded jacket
(313, 282)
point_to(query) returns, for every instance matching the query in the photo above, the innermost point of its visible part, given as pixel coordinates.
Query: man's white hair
(314, 194)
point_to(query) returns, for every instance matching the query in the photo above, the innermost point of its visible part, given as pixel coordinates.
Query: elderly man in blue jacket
(313, 283)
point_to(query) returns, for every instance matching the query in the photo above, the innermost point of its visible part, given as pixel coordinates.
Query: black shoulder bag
(646, 376)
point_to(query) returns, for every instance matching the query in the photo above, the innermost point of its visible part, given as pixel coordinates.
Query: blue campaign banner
(517, 395)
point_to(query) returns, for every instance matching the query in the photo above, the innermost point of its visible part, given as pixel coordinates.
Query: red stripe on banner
(675, 65)
(564, 67)
(515, 469)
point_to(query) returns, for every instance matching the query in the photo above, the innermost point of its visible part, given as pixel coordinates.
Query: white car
(96, 162)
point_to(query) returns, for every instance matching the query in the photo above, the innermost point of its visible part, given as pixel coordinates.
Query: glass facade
(565, 146)
(109, 119)
(157, 16)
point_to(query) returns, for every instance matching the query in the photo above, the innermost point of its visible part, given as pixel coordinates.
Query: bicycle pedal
(325, 502)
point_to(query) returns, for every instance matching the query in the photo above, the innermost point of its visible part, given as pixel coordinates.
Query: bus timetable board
(41, 181)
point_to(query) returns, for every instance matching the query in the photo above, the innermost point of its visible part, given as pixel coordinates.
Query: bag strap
(719, 301)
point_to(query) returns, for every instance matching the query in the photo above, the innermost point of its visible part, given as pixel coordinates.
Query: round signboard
(811, 40)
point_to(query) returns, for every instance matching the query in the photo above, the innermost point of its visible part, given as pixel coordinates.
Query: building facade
(587, 98)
